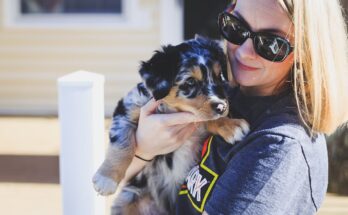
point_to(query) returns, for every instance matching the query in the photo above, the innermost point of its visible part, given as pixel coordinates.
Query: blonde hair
(320, 62)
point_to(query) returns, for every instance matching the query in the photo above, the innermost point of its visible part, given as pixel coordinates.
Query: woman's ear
(160, 71)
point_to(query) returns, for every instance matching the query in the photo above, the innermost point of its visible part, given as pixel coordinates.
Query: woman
(288, 59)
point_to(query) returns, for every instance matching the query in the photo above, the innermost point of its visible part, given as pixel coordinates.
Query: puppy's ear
(160, 71)
(216, 50)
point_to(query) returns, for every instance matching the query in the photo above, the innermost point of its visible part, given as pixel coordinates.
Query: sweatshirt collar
(252, 108)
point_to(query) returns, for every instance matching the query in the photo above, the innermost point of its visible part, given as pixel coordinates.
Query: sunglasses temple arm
(231, 7)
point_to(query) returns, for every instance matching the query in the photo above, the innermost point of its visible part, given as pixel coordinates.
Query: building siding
(31, 60)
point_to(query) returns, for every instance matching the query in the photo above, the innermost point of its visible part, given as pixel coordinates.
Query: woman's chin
(243, 80)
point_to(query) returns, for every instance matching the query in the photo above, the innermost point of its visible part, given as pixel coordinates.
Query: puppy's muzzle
(219, 107)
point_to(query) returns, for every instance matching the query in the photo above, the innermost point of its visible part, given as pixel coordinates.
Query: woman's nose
(246, 50)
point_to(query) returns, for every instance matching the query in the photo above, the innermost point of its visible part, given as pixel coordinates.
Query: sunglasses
(269, 46)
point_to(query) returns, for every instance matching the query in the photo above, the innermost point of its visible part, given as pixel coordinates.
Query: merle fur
(160, 74)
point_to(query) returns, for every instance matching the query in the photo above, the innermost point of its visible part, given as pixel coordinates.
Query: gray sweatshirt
(277, 169)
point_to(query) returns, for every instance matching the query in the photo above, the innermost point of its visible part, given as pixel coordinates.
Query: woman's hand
(162, 133)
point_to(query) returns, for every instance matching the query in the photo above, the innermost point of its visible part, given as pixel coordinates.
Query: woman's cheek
(239, 76)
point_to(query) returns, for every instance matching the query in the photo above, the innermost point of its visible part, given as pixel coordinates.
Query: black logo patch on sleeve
(200, 181)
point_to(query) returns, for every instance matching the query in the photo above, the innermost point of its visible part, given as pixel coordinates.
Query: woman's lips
(245, 67)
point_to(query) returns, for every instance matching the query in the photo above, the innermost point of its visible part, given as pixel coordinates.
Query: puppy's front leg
(119, 156)
(230, 129)
(113, 169)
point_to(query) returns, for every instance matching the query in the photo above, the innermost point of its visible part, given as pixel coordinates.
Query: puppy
(188, 77)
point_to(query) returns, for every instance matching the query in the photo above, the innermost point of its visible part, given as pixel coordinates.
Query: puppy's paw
(241, 130)
(234, 130)
(103, 184)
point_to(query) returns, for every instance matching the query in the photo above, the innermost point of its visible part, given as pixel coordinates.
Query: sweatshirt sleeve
(262, 178)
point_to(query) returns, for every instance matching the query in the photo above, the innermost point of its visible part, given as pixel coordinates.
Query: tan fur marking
(134, 114)
(197, 73)
(142, 206)
(225, 127)
(116, 162)
(217, 69)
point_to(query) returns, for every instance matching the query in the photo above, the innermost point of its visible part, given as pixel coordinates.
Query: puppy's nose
(219, 107)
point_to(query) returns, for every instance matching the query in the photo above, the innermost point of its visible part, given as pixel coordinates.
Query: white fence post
(81, 116)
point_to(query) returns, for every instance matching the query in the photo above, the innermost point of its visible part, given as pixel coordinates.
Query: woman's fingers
(162, 133)
(150, 107)
(185, 132)
(177, 118)
(168, 119)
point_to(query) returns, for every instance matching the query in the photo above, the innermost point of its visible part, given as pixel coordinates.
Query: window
(70, 6)
(96, 14)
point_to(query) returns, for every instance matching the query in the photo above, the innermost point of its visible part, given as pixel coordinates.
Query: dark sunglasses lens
(232, 29)
(272, 48)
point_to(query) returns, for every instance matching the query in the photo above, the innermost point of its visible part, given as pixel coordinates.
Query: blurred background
(42, 40)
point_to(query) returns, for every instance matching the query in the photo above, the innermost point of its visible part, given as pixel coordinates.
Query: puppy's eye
(190, 82)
